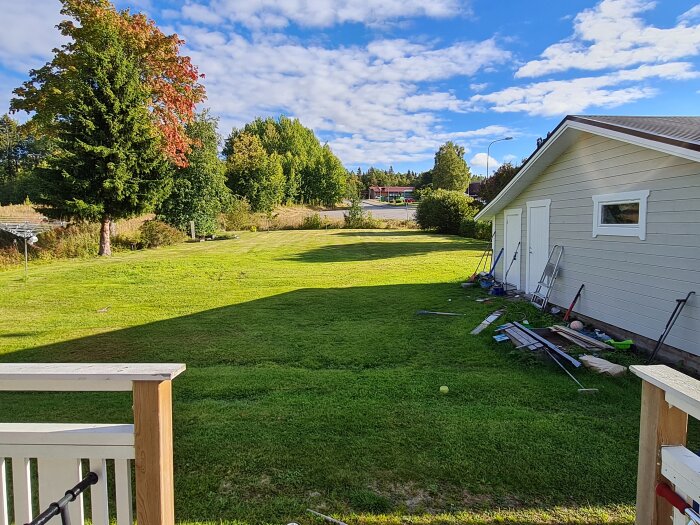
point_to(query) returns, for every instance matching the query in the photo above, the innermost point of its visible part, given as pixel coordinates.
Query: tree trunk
(105, 240)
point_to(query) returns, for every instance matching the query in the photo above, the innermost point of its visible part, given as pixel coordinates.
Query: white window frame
(624, 230)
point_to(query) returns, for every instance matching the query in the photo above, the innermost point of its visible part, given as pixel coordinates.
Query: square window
(622, 214)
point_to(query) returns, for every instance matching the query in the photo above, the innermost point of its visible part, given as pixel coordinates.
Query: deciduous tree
(492, 186)
(300, 153)
(253, 174)
(20, 153)
(199, 191)
(326, 184)
(450, 171)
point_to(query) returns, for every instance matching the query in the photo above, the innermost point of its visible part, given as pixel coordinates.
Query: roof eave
(543, 156)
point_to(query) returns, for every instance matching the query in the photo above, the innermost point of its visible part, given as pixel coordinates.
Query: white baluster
(98, 493)
(4, 517)
(122, 476)
(22, 490)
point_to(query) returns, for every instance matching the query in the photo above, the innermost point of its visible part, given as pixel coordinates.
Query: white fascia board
(534, 167)
(542, 158)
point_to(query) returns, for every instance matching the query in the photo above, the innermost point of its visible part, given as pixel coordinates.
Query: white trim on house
(624, 230)
(563, 137)
(516, 269)
(546, 203)
(493, 237)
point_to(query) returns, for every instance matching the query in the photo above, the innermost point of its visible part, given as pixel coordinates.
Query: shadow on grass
(328, 326)
(367, 251)
(382, 233)
(18, 334)
(309, 398)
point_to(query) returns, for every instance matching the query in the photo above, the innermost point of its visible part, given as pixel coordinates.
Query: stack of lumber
(523, 337)
(486, 322)
(519, 338)
(580, 339)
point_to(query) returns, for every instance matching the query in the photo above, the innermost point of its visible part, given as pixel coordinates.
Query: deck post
(153, 443)
(660, 424)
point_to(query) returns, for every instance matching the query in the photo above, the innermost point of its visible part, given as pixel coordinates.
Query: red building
(391, 192)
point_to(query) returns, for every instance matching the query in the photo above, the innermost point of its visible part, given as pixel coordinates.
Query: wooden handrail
(152, 431)
(83, 377)
(681, 391)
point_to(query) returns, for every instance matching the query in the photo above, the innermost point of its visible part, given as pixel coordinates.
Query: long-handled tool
(674, 499)
(483, 260)
(326, 518)
(583, 389)
(680, 303)
(495, 262)
(515, 256)
(429, 312)
(573, 303)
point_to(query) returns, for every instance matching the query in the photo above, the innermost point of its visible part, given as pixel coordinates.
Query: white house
(622, 196)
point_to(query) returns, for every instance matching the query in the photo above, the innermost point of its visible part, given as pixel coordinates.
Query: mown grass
(311, 382)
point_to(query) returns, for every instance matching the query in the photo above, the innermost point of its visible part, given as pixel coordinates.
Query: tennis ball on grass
(444, 389)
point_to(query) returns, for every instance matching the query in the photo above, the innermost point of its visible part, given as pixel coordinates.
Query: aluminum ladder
(540, 297)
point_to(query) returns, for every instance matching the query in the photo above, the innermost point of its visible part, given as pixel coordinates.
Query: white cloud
(202, 14)
(403, 147)
(691, 14)
(371, 101)
(477, 87)
(319, 13)
(28, 33)
(560, 97)
(479, 161)
(612, 35)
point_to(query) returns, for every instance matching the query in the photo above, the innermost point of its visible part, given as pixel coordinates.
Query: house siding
(630, 283)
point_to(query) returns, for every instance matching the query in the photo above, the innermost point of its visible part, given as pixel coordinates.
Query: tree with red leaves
(116, 98)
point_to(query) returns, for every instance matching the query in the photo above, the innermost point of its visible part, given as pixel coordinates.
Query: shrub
(313, 222)
(365, 222)
(81, 239)
(237, 216)
(155, 233)
(475, 229)
(10, 257)
(355, 217)
(444, 210)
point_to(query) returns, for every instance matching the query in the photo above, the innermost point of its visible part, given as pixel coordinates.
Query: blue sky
(385, 82)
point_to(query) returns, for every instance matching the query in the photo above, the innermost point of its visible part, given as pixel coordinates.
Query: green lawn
(312, 383)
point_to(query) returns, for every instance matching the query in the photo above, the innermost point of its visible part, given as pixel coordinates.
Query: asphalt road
(378, 209)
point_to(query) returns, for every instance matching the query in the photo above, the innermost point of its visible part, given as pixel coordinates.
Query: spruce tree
(116, 97)
(108, 163)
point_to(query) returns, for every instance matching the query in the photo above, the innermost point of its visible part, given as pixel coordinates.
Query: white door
(537, 241)
(512, 228)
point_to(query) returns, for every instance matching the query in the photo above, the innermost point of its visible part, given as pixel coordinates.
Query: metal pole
(487, 159)
(26, 271)
(488, 149)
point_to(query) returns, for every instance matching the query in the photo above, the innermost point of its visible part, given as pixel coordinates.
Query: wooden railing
(668, 398)
(58, 450)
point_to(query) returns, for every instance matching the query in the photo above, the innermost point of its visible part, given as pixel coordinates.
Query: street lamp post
(488, 150)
